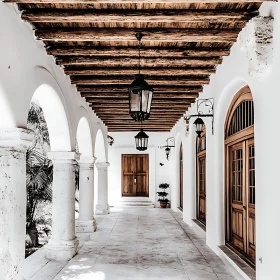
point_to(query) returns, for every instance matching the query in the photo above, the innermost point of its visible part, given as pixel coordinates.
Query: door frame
(147, 177)
(242, 137)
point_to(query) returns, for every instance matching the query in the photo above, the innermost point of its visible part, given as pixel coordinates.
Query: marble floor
(138, 244)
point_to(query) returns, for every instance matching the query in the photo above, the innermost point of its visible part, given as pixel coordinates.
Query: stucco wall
(259, 67)
(125, 144)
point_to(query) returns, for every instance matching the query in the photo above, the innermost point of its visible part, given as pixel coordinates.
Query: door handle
(135, 180)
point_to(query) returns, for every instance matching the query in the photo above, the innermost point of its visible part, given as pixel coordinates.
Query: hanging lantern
(198, 126)
(140, 99)
(140, 93)
(141, 141)
(167, 152)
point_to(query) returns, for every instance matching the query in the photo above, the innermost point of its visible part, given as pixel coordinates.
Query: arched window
(240, 176)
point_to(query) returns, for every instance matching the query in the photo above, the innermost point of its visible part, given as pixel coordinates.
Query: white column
(102, 206)
(86, 221)
(63, 243)
(13, 146)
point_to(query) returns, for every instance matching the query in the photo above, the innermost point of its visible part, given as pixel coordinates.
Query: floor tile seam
(105, 244)
(172, 212)
(40, 269)
(186, 273)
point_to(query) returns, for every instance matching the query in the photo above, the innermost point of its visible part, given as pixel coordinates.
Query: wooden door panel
(202, 188)
(135, 174)
(241, 191)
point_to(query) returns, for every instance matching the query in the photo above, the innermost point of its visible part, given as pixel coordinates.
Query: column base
(86, 226)
(102, 209)
(61, 250)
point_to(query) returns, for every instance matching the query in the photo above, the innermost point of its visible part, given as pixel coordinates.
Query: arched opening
(181, 176)
(47, 118)
(240, 176)
(201, 177)
(39, 176)
(55, 116)
(84, 148)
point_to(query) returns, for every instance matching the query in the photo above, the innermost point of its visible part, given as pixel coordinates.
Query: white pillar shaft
(86, 192)
(63, 243)
(102, 206)
(86, 221)
(12, 203)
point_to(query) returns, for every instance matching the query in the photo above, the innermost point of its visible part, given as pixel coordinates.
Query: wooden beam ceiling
(94, 41)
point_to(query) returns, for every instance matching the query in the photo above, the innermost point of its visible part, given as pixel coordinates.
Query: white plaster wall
(233, 74)
(24, 67)
(125, 144)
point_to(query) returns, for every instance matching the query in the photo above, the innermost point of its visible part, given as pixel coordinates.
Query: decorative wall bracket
(168, 146)
(205, 109)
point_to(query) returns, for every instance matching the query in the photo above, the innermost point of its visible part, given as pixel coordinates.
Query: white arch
(7, 119)
(100, 148)
(55, 117)
(84, 139)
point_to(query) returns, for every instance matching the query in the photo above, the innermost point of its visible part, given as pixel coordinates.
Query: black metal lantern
(140, 94)
(198, 126)
(167, 152)
(141, 141)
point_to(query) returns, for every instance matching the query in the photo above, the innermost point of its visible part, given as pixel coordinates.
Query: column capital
(64, 157)
(102, 165)
(16, 137)
(87, 160)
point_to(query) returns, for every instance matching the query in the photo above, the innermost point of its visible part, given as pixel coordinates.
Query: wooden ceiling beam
(126, 101)
(168, 70)
(124, 35)
(124, 88)
(121, 78)
(145, 62)
(121, 2)
(135, 16)
(153, 83)
(133, 52)
(105, 96)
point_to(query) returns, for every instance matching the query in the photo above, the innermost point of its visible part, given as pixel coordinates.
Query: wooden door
(242, 232)
(135, 175)
(201, 177)
(201, 189)
(240, 177)
(181, 176)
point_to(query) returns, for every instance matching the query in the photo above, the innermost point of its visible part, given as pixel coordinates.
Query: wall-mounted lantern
(110, 140)
(168, 146)
(205, 109)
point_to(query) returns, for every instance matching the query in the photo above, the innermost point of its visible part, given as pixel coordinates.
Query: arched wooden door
(181, 176)
(201, 177)
(240, 176)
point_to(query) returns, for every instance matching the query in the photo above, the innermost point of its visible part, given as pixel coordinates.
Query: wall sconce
(168, 146)
(110, 140)
(205, 109)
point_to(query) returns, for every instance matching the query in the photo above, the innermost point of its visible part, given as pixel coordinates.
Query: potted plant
(163, 194)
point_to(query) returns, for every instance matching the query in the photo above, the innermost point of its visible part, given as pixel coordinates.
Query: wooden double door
(135, 175)
(241, 232)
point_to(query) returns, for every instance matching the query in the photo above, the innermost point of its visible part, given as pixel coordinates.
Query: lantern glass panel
(134, 101)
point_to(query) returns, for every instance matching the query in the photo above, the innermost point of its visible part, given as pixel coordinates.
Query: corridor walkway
(143, 243)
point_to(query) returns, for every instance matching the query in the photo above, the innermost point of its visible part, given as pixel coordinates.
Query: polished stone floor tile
(141, 244)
